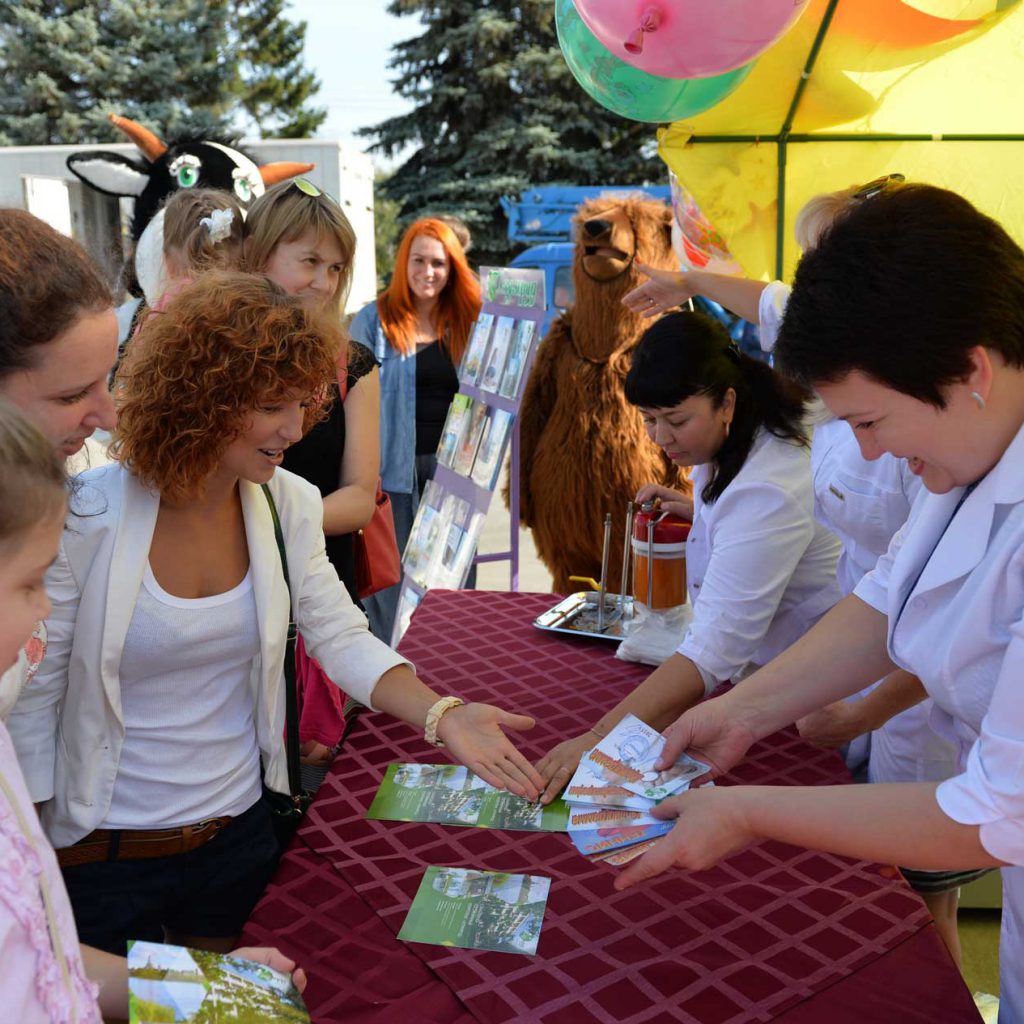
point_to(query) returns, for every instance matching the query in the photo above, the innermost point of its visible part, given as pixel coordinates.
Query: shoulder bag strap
(290, 690)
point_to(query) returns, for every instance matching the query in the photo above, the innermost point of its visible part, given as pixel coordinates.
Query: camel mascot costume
(583, 448)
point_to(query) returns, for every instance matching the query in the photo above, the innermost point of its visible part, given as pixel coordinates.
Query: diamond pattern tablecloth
(774, 933)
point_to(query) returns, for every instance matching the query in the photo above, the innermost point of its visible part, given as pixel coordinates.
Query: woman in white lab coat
(924, 356)
(760, 570)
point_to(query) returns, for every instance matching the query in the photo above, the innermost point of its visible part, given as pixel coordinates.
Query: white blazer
(953, 591)
(759, 569)
(68, 727)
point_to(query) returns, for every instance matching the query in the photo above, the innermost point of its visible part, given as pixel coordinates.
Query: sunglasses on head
(872, 188)
(307, 188)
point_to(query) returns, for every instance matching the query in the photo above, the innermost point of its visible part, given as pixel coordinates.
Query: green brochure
(172, 983)
(478, 910)
(452, 795)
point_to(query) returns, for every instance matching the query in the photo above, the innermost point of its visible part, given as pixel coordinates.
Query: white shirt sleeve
(335, 630)
(760, 534)
(33, 720)
(770, 309)
(989, 791)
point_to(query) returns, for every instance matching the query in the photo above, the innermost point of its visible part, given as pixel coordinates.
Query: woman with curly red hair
(171, 608)
(417, 328)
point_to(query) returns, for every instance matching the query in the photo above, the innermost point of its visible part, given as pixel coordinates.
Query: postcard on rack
(478, 910)
(423, 549)
(519, 353)
(487, 466)
(451, 433)
(448, 794)
(627, 755)
(476, 350)
(173, 983)
(466, 452)
(497, 355)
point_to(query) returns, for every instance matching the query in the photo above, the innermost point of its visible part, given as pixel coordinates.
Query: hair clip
(218, 224)
(872, 188)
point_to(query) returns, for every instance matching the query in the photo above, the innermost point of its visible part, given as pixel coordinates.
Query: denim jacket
(397, 403)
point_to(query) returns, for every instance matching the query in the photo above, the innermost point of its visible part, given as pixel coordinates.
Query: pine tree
(65, 65)
(496, 110)
(174, 65)
(274, 85)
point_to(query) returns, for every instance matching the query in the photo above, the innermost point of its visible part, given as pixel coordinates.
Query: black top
(437, 383)
(317, 458)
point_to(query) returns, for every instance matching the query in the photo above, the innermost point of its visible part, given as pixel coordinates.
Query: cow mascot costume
(166, 167)
(583, 448)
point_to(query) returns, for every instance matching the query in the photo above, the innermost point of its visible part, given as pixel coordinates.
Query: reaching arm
(351, 506)
(843, 721)
(666, 289)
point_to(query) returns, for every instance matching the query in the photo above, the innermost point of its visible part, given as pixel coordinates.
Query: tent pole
(784, 133)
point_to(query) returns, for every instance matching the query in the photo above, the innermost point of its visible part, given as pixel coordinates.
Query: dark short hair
(901, 289)
(685, 354)
(47, 282)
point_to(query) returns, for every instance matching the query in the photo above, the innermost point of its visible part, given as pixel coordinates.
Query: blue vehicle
(543, 216)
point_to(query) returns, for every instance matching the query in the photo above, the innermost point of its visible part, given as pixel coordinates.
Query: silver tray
(576, 615)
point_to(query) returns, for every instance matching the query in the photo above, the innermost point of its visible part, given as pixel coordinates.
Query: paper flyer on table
(478, 910)
(627, 755)
(449, 794)
(172, 983)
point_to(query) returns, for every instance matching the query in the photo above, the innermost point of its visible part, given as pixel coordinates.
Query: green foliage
(386, 230)
(496, 110)
(274, 86)
(174, 65)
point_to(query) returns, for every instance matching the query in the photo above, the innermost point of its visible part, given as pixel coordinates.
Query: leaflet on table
(173, 983)
(451, 434)
(519, 352)
(487, 465)
(465, 452)
(478, 910)
(627, 755)
(452, 795)
(494, 366)
(476, 350)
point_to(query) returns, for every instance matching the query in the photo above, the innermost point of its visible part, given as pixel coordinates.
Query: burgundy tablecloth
(774, 933)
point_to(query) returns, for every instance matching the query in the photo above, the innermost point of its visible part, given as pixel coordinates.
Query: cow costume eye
(244, 188)
(185, 170)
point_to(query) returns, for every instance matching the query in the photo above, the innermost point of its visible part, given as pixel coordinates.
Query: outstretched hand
(663, 290)
(707, 732)
(710, 824)
(557, 766)
(474, 734)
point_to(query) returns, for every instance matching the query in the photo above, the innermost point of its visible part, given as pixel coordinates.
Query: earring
(978, 399)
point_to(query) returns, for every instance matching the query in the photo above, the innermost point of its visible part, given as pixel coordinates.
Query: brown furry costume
(583, 447)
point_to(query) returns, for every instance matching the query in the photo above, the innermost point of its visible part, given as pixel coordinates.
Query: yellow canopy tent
(933, 89)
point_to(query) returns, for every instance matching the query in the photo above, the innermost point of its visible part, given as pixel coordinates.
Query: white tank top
(190, 749)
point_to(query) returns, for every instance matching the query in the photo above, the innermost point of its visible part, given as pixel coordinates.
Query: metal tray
(576, 615)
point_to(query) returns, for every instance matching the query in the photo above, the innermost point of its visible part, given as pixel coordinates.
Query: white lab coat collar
(966, 539)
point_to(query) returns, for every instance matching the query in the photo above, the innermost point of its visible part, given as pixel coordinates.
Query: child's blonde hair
(820, 212)
(198, 232)
(32, 480)
(285, 213)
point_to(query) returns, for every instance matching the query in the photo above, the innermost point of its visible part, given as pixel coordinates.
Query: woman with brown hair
(165, 677)
(417, 329)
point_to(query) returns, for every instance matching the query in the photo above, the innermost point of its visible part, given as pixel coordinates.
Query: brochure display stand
(481, 424)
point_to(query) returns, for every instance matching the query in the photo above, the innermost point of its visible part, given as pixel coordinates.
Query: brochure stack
(479, 431)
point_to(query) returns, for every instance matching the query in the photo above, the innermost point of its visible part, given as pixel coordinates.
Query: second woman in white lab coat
(760, 570)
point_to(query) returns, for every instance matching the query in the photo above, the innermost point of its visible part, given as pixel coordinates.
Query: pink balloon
(688, 38)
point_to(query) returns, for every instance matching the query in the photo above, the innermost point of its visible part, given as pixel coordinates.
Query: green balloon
(627, 91)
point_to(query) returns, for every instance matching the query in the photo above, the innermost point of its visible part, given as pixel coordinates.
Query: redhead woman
(418, 329)
(159, 711)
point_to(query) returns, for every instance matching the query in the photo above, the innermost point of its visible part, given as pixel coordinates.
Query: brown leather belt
(107, 844)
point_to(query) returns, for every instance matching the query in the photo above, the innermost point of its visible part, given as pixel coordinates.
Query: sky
(347, 46)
